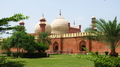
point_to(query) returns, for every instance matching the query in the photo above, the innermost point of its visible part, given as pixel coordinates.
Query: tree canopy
(43, 41)
(5, 44)
(44, 38)
(29, 44)
(107, 32)
(4, 22)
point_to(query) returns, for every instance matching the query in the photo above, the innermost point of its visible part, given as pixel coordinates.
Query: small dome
(93, 17)
(59, 25)
(47, 27)
(21, 21)
(74, 25)
(42, 19)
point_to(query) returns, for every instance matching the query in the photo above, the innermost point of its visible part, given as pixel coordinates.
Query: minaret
(42, 20)
(69, 27)
(93, 23)
(42, 24)
(80, 27)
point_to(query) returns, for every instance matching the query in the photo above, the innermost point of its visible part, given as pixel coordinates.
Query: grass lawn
(56, 61)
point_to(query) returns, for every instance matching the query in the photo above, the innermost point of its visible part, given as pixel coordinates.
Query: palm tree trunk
(113, 53)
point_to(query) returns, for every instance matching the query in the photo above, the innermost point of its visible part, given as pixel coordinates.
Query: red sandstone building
(66, 39)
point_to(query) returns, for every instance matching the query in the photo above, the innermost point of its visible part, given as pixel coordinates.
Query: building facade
(66, 39)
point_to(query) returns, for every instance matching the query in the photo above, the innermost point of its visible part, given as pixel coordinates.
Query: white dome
(59, 25)
(47, 27)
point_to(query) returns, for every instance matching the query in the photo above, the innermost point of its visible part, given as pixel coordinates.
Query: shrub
(15, 55)
(102, 60)
(42, 47)
(106, 52)
(8, 53)
(6, 63)
(33, 55)
(107, 62)
(96, 53)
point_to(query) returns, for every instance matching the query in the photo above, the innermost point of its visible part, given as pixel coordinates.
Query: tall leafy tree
(29, 44)
(17, 39)
(10, 41)
(107, 32)
(4, 22)
(20, 39)
(5, 45)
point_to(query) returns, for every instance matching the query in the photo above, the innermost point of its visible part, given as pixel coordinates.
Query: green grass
(56, 61)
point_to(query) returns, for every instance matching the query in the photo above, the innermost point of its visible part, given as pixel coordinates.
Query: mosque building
(67, 39)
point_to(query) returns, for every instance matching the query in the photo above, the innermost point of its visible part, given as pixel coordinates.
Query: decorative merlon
(79, 34)
(69, 35)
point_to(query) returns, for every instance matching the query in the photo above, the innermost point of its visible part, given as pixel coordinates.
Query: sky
(80, 11)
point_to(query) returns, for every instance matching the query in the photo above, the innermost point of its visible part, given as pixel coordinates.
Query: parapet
(80, 34)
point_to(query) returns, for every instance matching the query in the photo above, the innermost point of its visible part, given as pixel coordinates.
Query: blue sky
(79, 11)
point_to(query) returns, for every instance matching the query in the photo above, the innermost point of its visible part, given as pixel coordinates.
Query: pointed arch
(55, 46)
(82, 45)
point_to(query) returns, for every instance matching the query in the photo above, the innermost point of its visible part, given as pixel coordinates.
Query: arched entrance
(55, 47)
(82, 46)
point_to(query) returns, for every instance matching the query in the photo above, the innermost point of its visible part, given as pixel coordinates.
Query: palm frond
(107, 32)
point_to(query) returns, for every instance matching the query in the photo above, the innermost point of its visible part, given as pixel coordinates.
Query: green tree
(29, 44)
(17, 40)
(5, 44)
(19, 28)
(4, 22)
(42, 47)
(44, 38)
(20, 39)
(43, 41)
(14, 41)
(107, 32)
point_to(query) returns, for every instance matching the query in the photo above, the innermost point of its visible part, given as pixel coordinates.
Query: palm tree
(107, 32)
(43, 41)
(44, 38)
